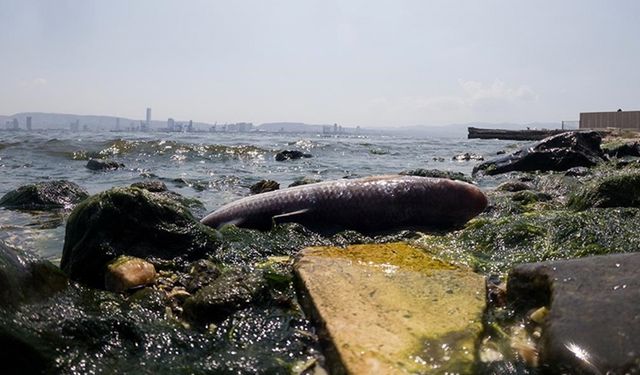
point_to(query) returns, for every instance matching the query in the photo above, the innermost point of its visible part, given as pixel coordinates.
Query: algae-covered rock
(130, 221)
(196, 207)
(437, 173)
(264, 186)
(103, 165)
(514, 185)
(392, 308)
(557, 153)
(228, 293)
(494, 244)
(44, 196)
(154, 186)
(620, 150)
(24, 277)
(618, 190)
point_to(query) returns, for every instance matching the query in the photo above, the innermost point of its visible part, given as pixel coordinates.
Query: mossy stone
(618, 190)
(130, 221)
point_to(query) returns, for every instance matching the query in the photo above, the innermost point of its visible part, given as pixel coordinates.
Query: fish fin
(288, 216)
(235, 222)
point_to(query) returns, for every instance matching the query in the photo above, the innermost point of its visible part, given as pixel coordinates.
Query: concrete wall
(600, 120)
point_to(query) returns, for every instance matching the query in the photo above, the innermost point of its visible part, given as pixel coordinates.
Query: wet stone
(556, 153)
(264, 186)
(514, 186)
(593, 322)
(304, 181)
(437, 173)
(127, 272)
(225, 295)
(44, 196)
(154, 186)
(130, 221)
(291, 155)
(103, 165)
(391, 308)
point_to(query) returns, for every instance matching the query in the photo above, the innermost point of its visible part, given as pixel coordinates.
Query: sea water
(215, 168)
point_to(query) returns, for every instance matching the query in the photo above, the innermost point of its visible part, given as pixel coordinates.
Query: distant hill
(290, 127)
(40, 120)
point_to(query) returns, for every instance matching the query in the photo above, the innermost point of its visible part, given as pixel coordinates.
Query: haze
(367, 63)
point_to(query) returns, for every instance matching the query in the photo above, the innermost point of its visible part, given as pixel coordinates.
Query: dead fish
(367, 204)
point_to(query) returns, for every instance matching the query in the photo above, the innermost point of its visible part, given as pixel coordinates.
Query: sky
(372, 63)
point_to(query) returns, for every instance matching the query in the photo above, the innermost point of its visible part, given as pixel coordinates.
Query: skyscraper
(148, 116)
(29, 123)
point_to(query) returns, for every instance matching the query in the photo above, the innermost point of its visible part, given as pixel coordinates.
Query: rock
(264, 186)
(577, 172)
(592, 323)
(130, 221)
(624, 150)
(127, 272)
(528, 197)
(619, 190)
(291, 154)
(103, 165)
(194, 205)
(227, 294)
(44, 196)
(391, 308)
(304, 181)
(194, 184)
(24, 277)
(493, 242)
(154, 186)
(202, 272)
(467, 156)
(557, 153)
(513, 186)
(437, 174)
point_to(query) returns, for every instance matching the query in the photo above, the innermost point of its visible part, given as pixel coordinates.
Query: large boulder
(46, 195)
(557, 153)
(130, 221)
(591, 326)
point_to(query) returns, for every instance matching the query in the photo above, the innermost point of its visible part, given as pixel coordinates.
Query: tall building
(29, 123)
(148, 116)
(117, 123)
(171, 124)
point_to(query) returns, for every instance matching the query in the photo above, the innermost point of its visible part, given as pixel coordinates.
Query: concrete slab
(593, 324)
(392, 309)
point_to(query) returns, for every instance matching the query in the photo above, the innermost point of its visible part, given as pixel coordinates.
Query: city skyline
(380, 64)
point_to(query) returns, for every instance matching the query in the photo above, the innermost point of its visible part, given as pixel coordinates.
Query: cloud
(475, 101)
(498, 90)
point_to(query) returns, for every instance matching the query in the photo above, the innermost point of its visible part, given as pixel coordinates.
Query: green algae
(493, 245)
(617, 190)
